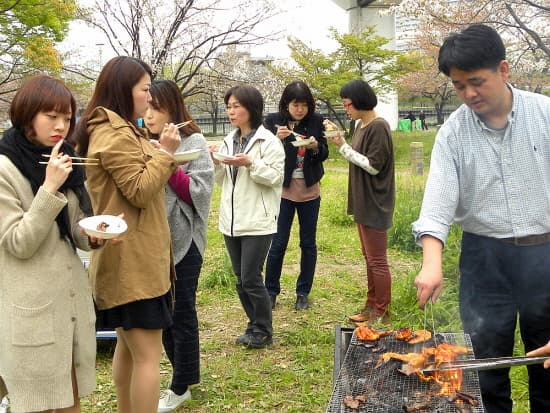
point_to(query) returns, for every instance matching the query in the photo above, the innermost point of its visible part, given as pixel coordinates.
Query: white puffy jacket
(250, 205)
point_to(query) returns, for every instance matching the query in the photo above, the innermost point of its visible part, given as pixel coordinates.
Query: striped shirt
(490, 183)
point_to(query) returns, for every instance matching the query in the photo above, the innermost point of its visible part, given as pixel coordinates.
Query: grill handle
(487, 364)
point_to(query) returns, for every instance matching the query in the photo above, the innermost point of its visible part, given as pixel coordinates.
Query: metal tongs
(432, 319)
(486, 364)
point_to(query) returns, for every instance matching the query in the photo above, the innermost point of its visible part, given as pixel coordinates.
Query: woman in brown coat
(131, 278)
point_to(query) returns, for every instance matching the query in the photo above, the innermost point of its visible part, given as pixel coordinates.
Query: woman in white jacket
(249, 166)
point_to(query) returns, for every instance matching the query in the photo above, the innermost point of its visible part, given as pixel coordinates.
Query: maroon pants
(373, 245)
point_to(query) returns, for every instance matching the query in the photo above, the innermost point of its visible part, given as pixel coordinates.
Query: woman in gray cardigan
(188, 196)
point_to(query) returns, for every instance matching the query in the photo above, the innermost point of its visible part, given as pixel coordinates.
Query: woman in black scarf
(47, 354)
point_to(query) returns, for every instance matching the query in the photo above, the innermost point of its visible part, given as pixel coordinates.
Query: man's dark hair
(476, 47)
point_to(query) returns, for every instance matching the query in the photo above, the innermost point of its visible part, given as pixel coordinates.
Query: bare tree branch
(177, 38)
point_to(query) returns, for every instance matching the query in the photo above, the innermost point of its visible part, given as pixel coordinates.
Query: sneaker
(259, 340)
(302, 302)
(170, 401)
(273, 299)
(243, 339)
(4, 405)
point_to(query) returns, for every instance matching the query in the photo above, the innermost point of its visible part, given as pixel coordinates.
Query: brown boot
(363, 316)
(382, 319)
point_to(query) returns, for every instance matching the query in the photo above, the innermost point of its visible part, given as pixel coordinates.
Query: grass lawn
(295, 374)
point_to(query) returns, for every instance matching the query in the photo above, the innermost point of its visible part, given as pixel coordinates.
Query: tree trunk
(215, 123)
(439, 113)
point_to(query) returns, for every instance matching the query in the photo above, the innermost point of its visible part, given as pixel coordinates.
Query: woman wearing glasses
(371, 192)
(249, 166)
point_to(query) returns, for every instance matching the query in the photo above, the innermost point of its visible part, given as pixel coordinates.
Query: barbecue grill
(386, 389)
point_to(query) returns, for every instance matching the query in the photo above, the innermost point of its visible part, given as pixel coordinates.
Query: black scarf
(26, 156)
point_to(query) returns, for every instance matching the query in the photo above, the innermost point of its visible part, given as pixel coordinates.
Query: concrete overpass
(365, 13)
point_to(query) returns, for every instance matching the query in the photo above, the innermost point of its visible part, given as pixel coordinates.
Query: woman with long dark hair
(131, 278)
(188, 196)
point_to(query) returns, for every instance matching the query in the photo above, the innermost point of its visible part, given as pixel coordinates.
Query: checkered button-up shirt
(489, 183)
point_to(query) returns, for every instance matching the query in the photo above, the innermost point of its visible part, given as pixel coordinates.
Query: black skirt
(152, 313)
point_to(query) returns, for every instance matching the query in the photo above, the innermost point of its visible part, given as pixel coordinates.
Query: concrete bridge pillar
(365, 13)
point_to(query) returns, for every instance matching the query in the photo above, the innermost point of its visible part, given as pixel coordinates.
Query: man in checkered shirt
(490, 174)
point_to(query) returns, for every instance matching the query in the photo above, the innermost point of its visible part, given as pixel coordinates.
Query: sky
(308, 20)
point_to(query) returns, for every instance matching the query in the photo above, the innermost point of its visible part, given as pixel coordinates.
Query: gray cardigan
(189, 223)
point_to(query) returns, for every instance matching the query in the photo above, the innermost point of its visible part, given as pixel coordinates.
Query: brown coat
(371, 198)
(131, 180)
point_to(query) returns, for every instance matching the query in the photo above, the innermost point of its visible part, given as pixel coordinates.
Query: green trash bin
(404, 125)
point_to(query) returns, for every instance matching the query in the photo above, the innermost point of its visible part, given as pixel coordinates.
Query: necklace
(369, 117)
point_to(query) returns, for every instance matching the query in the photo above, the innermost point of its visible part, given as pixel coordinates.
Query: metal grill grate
(388, 390)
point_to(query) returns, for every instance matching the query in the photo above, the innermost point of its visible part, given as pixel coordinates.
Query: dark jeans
(181, 341)
(498, 282)
(308, 213)
(423, 123)
(247, 255)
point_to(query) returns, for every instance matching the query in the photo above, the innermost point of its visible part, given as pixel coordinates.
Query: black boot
(301, 302)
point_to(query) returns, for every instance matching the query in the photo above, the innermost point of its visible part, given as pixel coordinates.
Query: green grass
(295, 375)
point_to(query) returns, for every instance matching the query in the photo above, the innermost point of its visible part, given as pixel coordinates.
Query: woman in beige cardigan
(47, 345)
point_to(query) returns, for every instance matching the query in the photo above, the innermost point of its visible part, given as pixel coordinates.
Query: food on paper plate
(303, 142)
(102, 226)
(330, 130)
(189, 155)
(222, 157)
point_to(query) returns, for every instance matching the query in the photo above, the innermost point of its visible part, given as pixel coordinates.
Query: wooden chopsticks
(80, 160)
(182, 124)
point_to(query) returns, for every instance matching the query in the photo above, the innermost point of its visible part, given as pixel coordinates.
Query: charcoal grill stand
(342, 338)
(354, 375)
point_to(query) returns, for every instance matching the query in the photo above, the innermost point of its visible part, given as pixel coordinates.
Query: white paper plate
(189, 155)
(331, 133)
(116, 226)
(304, 142)
(222, 157)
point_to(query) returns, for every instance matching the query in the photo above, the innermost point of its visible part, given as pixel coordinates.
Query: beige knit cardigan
(46, 310)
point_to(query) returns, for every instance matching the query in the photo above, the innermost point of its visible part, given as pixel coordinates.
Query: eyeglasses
(347, 105)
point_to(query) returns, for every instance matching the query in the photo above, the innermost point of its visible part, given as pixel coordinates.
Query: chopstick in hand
(77, 163)
(74, 158)
(182, 124)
